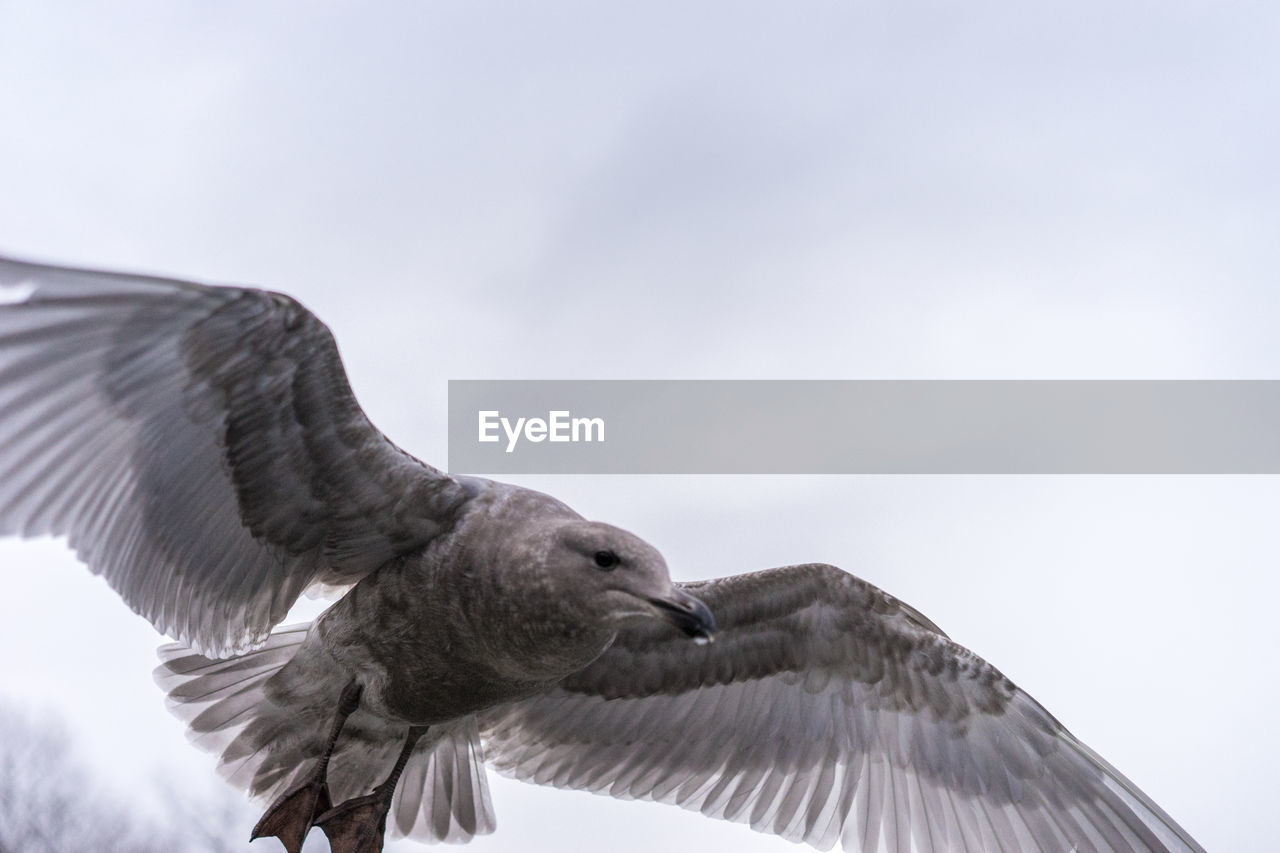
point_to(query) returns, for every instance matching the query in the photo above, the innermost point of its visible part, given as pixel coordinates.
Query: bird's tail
(268, 717)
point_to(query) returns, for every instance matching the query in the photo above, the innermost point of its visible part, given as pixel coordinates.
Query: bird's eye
(606, 559)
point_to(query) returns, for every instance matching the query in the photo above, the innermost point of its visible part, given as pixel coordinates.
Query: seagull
(201, 449)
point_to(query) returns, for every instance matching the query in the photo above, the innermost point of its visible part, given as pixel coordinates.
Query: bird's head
(628, 576)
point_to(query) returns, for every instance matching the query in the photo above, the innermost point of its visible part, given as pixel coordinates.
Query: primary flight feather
(201, 449)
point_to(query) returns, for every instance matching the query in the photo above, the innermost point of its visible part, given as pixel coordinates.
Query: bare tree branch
(50, 803)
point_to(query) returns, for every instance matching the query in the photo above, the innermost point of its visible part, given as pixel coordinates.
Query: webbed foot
(359, 824)
(291, 817)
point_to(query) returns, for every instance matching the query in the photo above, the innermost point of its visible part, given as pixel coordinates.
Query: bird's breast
(427, 652)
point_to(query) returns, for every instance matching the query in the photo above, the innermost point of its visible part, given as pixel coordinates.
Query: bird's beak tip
(689, 614)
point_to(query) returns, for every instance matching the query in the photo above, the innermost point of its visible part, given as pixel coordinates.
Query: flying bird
(201, 449)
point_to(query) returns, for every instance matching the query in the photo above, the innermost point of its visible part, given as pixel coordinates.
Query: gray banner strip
(863, 427)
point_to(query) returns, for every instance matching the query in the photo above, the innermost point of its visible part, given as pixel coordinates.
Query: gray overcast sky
(720, 190)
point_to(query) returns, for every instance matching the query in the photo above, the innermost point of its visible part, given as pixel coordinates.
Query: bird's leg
(291, 817)
(358, 825)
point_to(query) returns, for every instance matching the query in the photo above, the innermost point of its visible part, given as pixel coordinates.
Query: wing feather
(199, 447)
(826, 710)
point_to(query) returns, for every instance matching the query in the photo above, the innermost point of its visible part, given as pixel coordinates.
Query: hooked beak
(688, 614)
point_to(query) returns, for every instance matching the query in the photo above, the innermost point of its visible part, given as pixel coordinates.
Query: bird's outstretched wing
(200, 448)
(826, 711)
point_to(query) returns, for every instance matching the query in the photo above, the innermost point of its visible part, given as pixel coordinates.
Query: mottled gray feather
(200, 448)
(826, 711)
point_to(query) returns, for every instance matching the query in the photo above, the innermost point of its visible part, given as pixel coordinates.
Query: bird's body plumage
(201, 449)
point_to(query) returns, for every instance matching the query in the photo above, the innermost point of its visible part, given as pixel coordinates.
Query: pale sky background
(719, 190)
